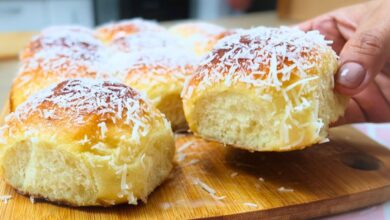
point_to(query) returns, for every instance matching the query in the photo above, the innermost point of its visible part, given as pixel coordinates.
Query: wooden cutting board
(349, 172)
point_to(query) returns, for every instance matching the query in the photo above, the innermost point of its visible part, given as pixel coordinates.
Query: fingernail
(351, 75)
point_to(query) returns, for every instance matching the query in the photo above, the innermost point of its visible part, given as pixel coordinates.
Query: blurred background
(20, 19)
(32, 15)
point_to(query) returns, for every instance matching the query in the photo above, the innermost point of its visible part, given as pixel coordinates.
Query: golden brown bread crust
(109, 32)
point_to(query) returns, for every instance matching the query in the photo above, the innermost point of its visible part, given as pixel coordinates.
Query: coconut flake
(103, 129)
(250, 204)
(208, 189)
(282, 189)
(5, 198)
(234, 174)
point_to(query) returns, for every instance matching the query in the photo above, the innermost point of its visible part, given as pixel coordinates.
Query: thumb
(365, 53)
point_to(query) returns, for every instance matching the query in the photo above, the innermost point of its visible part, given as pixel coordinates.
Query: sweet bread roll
(86, 142)
(199, 36)
(56, 55)
(265, 89)
(160, 73)
(58, 36)
(109, 32)
(146, 40)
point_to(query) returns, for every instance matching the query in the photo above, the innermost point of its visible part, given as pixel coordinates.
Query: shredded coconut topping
(284, 60)
(146, 40)
(260, 56)
(75, 99)
(126, 27)
(67, 50)
(174, 61)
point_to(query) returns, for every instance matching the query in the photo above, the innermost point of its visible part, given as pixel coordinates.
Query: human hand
(361, 36)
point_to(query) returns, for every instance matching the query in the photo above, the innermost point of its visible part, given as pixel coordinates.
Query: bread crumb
(234, 174)
(32, 199)
(261, 179)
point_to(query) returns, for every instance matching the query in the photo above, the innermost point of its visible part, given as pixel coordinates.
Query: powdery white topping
(146, 40)
(65, 52)
(160, 62)
(59, 36)
(261, 57)
(171, 57)
(129, 26)
(78, 98)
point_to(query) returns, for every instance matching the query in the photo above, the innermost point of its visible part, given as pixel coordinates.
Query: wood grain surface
(349, 172)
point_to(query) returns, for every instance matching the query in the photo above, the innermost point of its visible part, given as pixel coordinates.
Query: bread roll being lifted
(86, 142)
(265, 89)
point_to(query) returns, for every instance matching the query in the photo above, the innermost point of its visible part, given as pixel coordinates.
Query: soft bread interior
(41, 170)
(244, 118)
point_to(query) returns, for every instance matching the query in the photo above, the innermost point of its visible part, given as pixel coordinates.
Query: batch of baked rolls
(92, 112)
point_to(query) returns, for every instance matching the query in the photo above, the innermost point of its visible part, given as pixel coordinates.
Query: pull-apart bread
(86, 142)
(265, 89)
